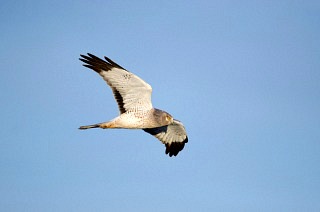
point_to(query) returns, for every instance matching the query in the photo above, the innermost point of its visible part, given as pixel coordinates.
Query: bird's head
(167, 118)
(162, 118)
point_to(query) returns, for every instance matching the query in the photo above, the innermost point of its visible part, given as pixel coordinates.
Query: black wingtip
(174, 148)
(98, 64)
(113, 63)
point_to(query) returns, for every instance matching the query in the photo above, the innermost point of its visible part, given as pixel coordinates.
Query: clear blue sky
(243, 77)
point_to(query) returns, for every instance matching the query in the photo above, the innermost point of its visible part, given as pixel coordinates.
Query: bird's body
(138, 120)
(133, 96)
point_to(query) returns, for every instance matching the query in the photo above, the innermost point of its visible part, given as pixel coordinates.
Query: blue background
(243, 77)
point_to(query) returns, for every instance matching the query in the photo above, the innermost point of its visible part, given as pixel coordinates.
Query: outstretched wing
(174, 136)
(130, 92)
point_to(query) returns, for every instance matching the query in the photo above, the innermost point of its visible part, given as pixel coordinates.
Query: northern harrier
(133, 96)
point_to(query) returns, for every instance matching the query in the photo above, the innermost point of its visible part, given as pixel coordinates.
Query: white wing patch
(130, 91)
(135, 93)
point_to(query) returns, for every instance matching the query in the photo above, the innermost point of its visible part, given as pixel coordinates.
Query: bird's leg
(106, 125)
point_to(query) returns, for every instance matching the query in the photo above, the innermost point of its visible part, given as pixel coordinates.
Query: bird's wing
(130, 91)
(174, 136)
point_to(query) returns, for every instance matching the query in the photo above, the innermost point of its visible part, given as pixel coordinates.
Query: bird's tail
(89, 126)
(104, 125)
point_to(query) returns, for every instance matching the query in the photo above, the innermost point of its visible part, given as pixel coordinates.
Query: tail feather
(104, 125)
(89, 126)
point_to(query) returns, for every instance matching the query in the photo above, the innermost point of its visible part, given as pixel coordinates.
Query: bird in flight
(133, 96)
